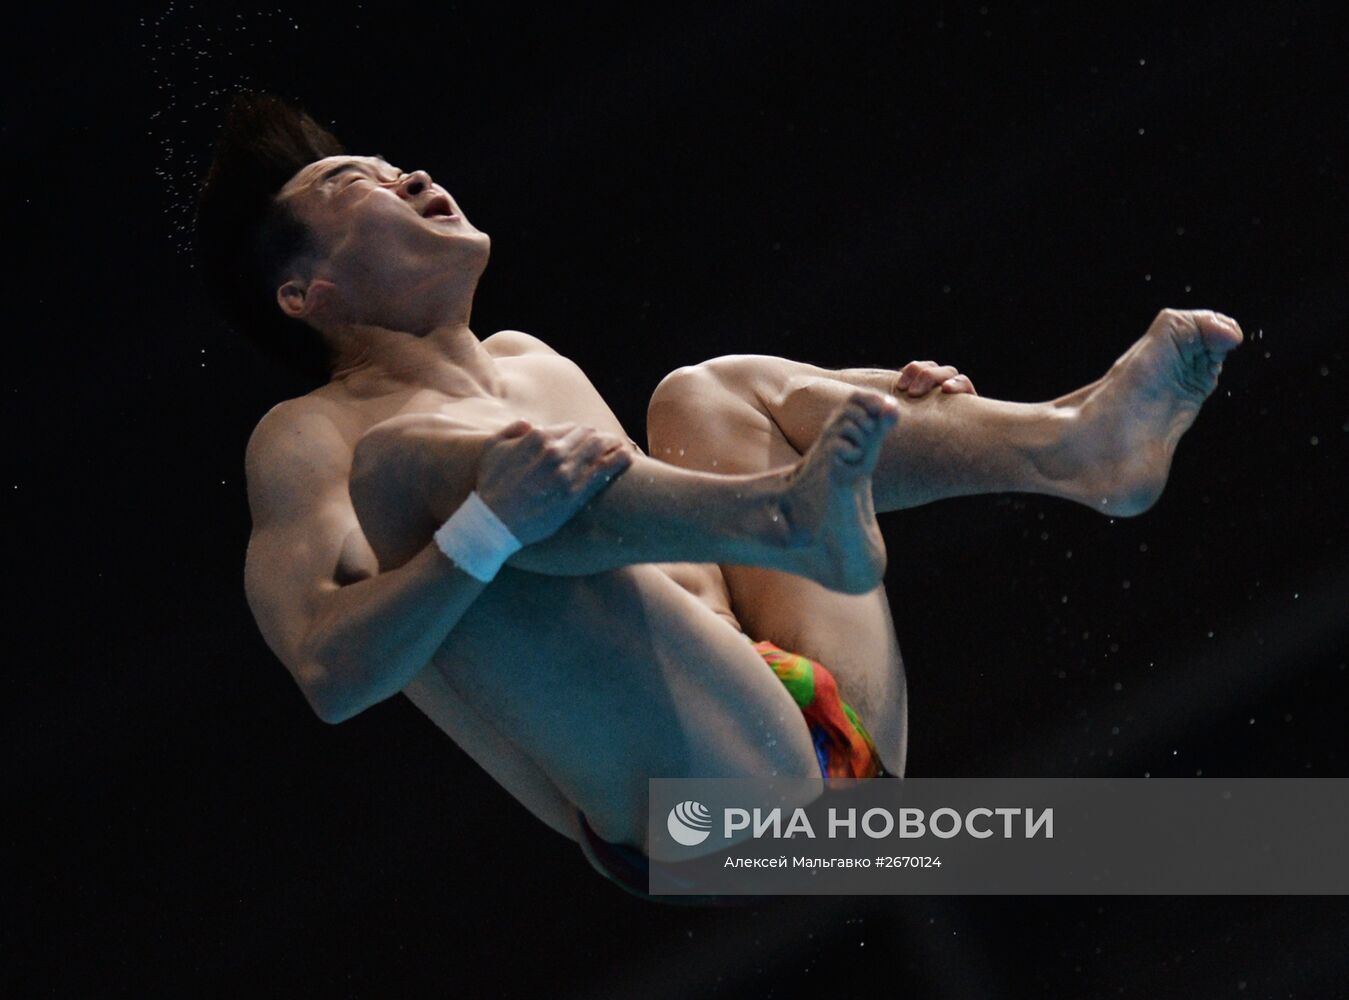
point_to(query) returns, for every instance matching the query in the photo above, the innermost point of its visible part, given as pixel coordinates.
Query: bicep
(306, 541)
(293, 563)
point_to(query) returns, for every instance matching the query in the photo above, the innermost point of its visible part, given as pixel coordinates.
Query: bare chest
(543, 389)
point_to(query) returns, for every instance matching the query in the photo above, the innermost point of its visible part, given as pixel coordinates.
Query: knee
(388, 455)
(701, 389)
(730, 373)
(682, 386)
(393, 443)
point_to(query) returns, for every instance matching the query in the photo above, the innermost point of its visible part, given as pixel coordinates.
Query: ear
(299, 299)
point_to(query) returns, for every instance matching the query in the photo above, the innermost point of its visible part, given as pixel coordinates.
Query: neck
(449, 358)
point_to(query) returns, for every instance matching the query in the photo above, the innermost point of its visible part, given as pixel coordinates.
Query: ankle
(1112, 474)
(1059, 446)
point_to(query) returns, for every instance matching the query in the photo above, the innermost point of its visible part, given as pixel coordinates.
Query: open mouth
(438, 208)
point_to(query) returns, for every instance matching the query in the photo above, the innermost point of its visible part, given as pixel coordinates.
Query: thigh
(703, 418)
(498, 755)
(608, 680)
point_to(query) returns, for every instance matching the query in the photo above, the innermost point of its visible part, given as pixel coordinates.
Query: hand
(535, 479)
(918, 378)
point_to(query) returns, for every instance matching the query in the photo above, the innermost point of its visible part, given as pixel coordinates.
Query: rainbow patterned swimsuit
(842, 744)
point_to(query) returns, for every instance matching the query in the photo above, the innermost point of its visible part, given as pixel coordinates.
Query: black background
(1013, 190)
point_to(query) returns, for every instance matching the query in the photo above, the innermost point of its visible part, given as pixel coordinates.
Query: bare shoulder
(296, 449)
(290, 425)
(511, 343)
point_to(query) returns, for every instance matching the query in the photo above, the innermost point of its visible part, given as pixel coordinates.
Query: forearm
(372, 637)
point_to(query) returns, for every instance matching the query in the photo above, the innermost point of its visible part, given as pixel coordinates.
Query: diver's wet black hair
(245, 238)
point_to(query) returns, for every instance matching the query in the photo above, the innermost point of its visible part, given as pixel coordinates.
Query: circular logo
(689, 823)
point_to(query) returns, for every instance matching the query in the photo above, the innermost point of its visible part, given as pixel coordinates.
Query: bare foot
(827, 509)
(1130, 420)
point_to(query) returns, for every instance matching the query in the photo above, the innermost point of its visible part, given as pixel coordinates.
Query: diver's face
(383, 232)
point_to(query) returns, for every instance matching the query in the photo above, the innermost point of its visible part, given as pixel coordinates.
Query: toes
(854, 428)
(1232, 326)
(1217, 331)
(872, 403)
(849, 455)
(860, 426)
(881, 406)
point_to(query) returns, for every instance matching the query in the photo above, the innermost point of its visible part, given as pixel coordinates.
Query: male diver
(465, 521)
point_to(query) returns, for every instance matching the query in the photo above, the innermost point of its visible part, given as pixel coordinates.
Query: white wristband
(476, 539)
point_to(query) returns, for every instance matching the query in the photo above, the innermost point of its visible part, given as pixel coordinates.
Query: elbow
(329, 681)
(330, 700)
(331, 710)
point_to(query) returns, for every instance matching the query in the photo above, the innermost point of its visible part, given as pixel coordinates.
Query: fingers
(581, 458)
(584, 452)
(607, 467)
(600, 453)
(551, 446)
(918, 378)
(515, 429)
(959, 383)
(564, 446)
(589, 448)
